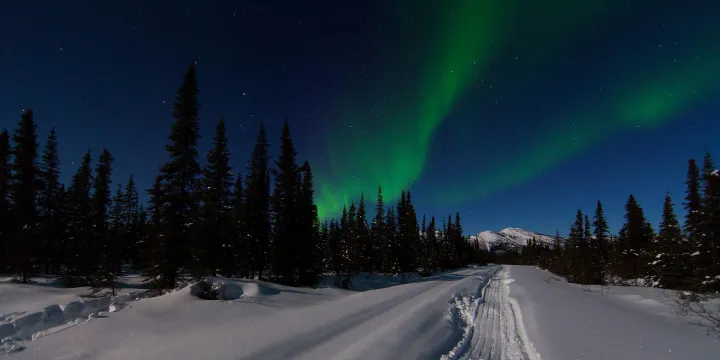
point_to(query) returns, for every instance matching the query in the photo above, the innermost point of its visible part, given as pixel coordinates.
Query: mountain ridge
(509, 238)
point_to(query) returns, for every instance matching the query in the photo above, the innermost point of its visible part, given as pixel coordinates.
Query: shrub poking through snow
(205, 290)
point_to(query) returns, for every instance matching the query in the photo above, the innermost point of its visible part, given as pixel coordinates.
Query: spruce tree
(422, 261)
(108, 263)
(431, 249)
(257, 202)
(412, 235)
(133, 222)
(558, 259)
(671, 258)
(391, 238)
(599, 244)
(23, 195)
(324, 246)
(158, 263)
(116, 226)
(49, 206)
(693, 204)
(181, 182)
(310, 245)
(214, 245)
(636, 236)
(707, 171)
(5, 211)
(284, 211)
(80, 255)
(350, 233)
(447, 256)
(709, 250)
(587, 232)
(401, 249)
(460, 242)
(365, 246)
(241, 256)
(405, 249)
(379, 244)
(335, 248)
(578, 250)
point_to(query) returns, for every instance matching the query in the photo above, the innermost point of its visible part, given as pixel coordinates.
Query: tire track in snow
(491, 324)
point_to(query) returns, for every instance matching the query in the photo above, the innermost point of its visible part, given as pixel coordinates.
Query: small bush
(206, 291)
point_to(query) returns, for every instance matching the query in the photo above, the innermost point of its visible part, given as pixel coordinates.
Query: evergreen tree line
(394, 242)
(682, 258)
(200, 219)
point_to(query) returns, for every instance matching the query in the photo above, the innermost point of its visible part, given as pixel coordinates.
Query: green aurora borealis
(447, 48)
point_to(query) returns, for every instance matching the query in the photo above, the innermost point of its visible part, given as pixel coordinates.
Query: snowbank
(31, 311)
(23, 326)
(232, 289)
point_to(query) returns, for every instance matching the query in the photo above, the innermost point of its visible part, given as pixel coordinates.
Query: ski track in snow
(485, 325)
(492, 324)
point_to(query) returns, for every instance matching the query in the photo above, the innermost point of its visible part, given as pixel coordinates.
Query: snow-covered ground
(565, 322)
(486, 313)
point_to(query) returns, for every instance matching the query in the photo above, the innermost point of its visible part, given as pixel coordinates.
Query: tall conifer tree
(379, 243)
(23, 194)
(108, 260)
(671, 258)
(5, 211)
(241, 254)
(215, 246)
(635, 238)
(257, 203)
(49, 206)
(693, 203)
(79, 226)
(310, 247)
(599, 244)
(180, 184)
(391, 237)
(284, 211)
(364, 236)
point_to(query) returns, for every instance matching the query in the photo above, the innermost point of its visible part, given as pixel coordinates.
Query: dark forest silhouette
(201, 219)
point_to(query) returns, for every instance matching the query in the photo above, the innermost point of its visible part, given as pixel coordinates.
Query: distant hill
(509, 238)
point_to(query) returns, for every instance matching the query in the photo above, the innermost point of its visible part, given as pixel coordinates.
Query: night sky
(513, 112)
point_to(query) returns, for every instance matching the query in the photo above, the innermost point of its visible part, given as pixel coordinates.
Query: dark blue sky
(104, 74)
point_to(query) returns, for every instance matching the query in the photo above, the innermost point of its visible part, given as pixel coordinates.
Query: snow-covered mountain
(510, 238)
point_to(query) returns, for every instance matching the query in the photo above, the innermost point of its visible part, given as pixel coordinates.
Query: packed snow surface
(490, 313)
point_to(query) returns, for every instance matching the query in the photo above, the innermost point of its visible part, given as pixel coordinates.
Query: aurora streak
(463, 37)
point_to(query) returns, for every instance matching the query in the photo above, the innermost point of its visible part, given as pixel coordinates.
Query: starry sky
(514, 113)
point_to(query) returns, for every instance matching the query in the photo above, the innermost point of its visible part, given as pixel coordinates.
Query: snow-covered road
(443, 316)
(488, 313)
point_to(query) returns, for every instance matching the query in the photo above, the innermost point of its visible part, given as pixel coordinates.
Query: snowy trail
(410, 323)
(496, 330)
(500, 333)
(465, 314)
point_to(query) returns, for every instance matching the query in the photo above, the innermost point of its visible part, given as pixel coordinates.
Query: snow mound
(231, 289)
(509, 238)
(23, 326)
